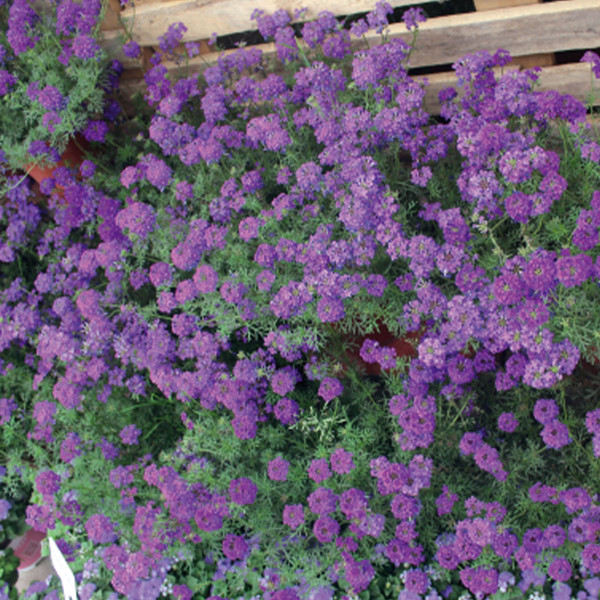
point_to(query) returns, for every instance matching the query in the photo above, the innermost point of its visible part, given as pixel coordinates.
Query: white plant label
(59, 562)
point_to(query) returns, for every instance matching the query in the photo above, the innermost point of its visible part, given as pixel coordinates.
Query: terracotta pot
(72, 157)
(406, 347)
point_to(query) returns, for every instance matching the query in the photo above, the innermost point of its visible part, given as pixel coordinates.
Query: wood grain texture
(112, 15)
(205, 17)
(522, 30)
(494, 4)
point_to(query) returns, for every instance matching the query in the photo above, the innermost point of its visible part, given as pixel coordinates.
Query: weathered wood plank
(111, 16)
(494, 4)
(522, 30)
(205, 17)
(525, 62)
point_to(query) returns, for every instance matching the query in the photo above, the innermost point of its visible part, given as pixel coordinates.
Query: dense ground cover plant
(174, 321)
(53, 78)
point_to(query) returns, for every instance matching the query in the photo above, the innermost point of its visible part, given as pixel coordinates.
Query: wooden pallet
(530, 30)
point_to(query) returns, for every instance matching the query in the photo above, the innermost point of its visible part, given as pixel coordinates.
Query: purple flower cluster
(221, 286)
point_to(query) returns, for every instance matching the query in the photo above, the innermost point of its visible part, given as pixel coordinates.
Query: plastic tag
(59, 562)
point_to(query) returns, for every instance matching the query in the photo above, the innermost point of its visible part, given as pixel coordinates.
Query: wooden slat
(522, 30)
(525, 62)
(205, 17)
(112, 16)
(494, 4)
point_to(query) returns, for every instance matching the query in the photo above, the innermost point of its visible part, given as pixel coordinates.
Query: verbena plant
(53, 78)
(176, 333)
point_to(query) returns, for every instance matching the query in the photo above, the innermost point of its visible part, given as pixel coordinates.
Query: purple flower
(470, 442)
(47, 483)
(51, 98)
(326, 529)
(7, 406)
(138, 218)
(293, 515)
(268, 131)
(572, 271)
(5, 506)
(560, 569)
(341, 461)
(575, 499)
(242, 491)
(330, 309)
(234, 547)
(592, 421)
(590, 557)
(284, 380)
(100, 529)
(278, 469)
(322, 501)
(129, 435)
(540, 272)
(556, 434)
(416, 581)
(330, 388)
(353, 503)
(518, 207)
(545, 410)
(206, 279)
(286, 411)
(85, 47)
(445, 501)
(412, 17)
(131, 49)
(507, 422)
(7, 80)
(359, 573)
(594, 60)
(318, 470)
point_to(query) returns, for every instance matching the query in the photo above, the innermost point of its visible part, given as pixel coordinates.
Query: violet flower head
(326, 529)
(293, 515)
(242, 491)
(507, 422)
(129, 435)
(100, 529)
(322, 501)
(545, 410)
(330, 388)
(85, 47)
(592, 421)
(287, 411)
(131, 49)
(318, 470)
(7, 407)
(341, 461)
(594, 60)
(556, 434)
(412, 17)
(278, 469)
(138, 218)
(234, 547)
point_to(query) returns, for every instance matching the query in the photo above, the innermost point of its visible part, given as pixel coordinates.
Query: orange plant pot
(406, 346)
(72, 157)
